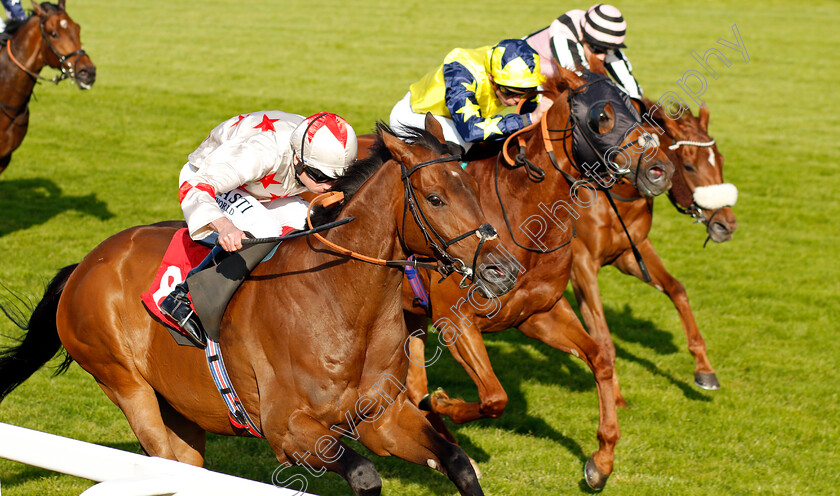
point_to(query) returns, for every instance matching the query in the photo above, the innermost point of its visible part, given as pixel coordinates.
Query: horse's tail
(39, 344)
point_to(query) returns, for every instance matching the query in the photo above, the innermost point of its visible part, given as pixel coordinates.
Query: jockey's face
(598, 52)
(314, 187)
(509, 96)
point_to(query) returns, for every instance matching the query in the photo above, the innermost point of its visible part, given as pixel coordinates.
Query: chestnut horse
(526, 199)
(313, 339)
(49, 37)
(698, 177)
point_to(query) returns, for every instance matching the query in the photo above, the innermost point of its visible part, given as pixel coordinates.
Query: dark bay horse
(698, 178)
(314, 340)
(49, 37)
(540, 205)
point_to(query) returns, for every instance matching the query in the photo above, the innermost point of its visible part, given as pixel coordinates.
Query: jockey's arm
(464, 108)
(231, 165)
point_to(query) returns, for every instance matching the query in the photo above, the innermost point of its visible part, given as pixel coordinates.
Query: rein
(450, 264)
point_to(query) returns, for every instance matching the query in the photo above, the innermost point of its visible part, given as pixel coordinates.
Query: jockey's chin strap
(447, 264)
(67, 71)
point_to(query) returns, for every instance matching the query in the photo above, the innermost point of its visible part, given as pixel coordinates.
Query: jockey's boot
(178, 305)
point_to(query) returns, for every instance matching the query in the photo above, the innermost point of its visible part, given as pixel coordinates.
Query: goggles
(597, 50)
(315, 174)
(510, 92)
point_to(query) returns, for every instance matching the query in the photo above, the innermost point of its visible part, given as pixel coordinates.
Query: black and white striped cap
(603, 26)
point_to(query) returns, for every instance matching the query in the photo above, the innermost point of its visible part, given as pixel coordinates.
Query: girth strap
(236, 412)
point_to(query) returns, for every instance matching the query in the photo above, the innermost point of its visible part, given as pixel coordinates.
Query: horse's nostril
(719, 228)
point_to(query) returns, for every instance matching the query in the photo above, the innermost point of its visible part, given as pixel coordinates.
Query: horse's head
(698, 188)
(608, 141)
(441, 216)
(63, 45)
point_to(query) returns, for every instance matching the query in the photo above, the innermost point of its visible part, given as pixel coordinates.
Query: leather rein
(447, 264)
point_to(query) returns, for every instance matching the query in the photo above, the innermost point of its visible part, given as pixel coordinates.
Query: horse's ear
(573, 80)
(61, 4)
(36, 8)
(596, 65)
(704, 118)
(434, 127)
(399, 149)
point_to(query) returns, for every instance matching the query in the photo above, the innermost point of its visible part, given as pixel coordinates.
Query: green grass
(96, 162)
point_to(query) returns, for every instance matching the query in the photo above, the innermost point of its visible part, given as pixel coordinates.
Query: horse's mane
(12, 27)
(360, 170)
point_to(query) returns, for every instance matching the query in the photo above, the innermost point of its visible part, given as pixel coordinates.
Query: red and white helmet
(325, 142)
(604, 26)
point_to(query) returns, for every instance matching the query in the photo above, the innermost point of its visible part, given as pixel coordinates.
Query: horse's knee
(363, 478)
(602, 366)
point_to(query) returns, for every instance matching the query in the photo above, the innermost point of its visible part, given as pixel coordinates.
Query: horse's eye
(53, 34)
(688, 167)
(435, 200)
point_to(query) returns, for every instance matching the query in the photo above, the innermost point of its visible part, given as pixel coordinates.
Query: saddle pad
(182, 255)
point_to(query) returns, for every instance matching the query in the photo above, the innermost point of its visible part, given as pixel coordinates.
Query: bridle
(692, 209)
(446, 263)
(537, 174)
(68, 71)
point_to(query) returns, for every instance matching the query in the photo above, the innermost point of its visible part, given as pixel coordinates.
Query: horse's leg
(186, 438)
(584, 277)
(317, 448)
(561, 329)
(139, 404)
(661, 279)
(4, 162)
(417, 383)
(402, 431)
(469, 350)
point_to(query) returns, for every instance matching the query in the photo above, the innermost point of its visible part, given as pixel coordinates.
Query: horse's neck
(26, 47)
(374, 232)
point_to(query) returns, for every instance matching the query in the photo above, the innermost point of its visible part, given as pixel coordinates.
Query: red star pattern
(268, 181)
(241, 117)
(266, 124)
(274, 197)
(337, 128)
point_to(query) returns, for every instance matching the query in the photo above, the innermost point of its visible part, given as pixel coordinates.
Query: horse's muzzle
(85, 77)
(654, 178)
(496, 279)
(721, 225)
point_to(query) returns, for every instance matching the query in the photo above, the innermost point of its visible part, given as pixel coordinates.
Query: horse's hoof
(425, 403)
(706, 380)
(594, 478)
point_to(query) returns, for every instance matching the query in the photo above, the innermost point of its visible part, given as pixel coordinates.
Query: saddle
(210, 289)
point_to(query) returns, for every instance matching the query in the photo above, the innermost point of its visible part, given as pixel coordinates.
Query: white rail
(122, 473)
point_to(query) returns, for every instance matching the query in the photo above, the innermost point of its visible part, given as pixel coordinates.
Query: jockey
(469, 93)
(572, 36)
(245, 177)
(14, 10)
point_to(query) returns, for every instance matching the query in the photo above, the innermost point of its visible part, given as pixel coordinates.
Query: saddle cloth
(182, 255)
